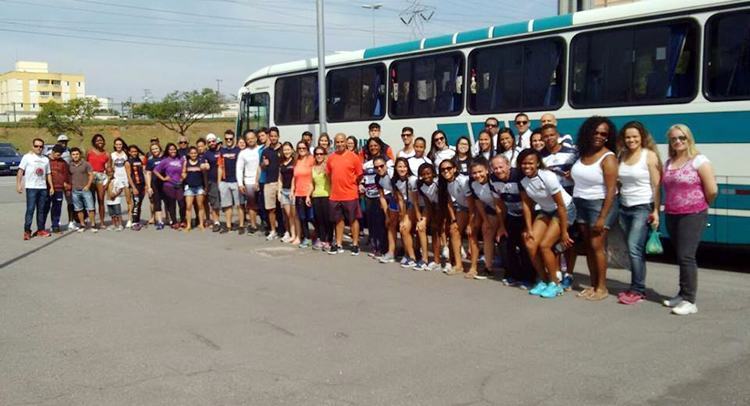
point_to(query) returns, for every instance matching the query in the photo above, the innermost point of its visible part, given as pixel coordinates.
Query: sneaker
(272, 236)
(630, 297)
(137, 227)
(216, 228)
(241, 230)
(407, 262)
(326, 247)
(354, 250)
(305, 243)
(684, 308)
(43, 233)
(404, 260)
(317, 245)
(286, 237)
(386, 259)
(96, 230)
(119, 228)
(72, 226)
(567, 282)
(223, 229)
(552, 291)
(420, 266)
(523, 286)
(672, 302)
(129, 224)
(432, 267)
(26, 235)
(110, 227)
(508, 281)
(446, 253)
(251, 230)
(538, 288)
(447, 268)
(335, 249)
(160, 226)
(56, 230)
(80, 229)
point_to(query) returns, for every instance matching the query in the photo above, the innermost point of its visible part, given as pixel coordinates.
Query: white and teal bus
(660, 62)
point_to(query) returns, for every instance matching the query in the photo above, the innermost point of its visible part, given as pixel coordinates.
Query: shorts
(250, 197)
(571, 209)
(229, 194)
(347, 210)
(114, 210)
(589, 210)
(191, 191)
(212, 191)
(82, 200)
(122, 183)
(270, 190)
(286, 198)
(393, 203)
(100, 178)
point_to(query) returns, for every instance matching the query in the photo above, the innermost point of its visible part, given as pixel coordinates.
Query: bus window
(645, 64)
(526, 76)
(253, 112)
(427, 86)
(356, 94)
(296, 99)
(727, 73)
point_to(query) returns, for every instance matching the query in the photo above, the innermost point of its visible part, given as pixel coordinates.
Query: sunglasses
(406, 135)
(447, 168)
(228, 138)
(521, 122)
(490, 125)
(681, 138)
(380, 166)
(38, 146)
(439, 139)
(319, 154)
(601, 134)
(301, 149)
(182, 142)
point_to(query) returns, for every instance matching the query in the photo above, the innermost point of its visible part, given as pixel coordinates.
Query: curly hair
(587, 130)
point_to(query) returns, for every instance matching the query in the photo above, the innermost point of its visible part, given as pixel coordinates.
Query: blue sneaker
(553, 290)
(159, 226)
(567, 282)
(408, 264)
(419, 266)
(538, 288)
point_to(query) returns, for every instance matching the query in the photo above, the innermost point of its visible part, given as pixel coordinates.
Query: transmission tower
(415, 16)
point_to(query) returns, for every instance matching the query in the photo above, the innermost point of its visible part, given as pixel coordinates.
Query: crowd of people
(517, 200)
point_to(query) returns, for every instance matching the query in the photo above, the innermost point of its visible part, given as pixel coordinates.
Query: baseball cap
(211, 137)
(62, 137)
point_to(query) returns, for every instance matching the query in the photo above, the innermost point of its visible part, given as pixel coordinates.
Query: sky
(126, 46)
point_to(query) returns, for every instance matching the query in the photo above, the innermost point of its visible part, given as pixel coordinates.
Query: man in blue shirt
(212, 157)
(229, 194)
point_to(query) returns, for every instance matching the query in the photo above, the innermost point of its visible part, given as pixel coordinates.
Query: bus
(660, 62)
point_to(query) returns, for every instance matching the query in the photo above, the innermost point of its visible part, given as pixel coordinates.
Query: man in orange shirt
(345, 171)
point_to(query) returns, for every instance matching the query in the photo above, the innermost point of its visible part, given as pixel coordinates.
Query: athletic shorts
(229, 194)
(571, 209)
(588, 212)
(213, 195)
(347, 210)
(270, 190)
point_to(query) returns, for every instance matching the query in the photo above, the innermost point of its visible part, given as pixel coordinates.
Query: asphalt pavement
(169, 318)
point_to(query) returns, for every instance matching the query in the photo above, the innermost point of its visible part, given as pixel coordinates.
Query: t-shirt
(212, 157)
(303, 176)
(369, 179)
(512, 155)
(247, 166)
(459, 189)
(114, 189)
(271, 171)
(406, 186)
(60, 173)
(118, 164)
(463, 165)
(151, 165)
(171, 168)
(483, 192)
(415, 163)
(429, 192)
(344, 170)
(79, 174)
(508, 191)
(194, 173)
(405, 154)
(542, 187)
(442, 155)
(228, 163)
(35, 170)
(384, 183)
(286, 171)
(560, 162)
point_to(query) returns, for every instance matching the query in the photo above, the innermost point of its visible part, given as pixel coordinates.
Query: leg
(189, 212)
(100, 200)
(339, 231)
(355, 232)
(406, 237)
(633, 221)
(489, 229)
(538, 229)
(685, 231)
(30, 207)
(201, 201)
(598, 246)
(129, 201)
(56, 201)
(549, 257)
(41, 209)
(392, 231)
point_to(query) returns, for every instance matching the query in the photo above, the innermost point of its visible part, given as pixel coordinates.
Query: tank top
(118, 164)
(136, 170)
(683, 188)
(97, 160)
(321, 183)
(589, 179)
(286, 171)
(636, 182)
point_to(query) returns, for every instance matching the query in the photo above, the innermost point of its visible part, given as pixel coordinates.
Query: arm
(527, 205)
(655, 177)
(421, 219)
(149, 190)
(50, 184)
(710, 189)
(87, 187)
(183, 176)
(239, 172)
(562, 212)
(609, 169)
(129, 173)
(19, 180)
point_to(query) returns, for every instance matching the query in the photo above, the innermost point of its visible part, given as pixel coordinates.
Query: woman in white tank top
(118, 159)
(639, 174)
(594, 194)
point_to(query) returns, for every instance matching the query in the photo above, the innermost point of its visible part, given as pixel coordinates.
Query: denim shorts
(100, 178)
(286, 198)
(114, 210)
(191, 191)
(571, 210)
(82, 200)
(589, 210)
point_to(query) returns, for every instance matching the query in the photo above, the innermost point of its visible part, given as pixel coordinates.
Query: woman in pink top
(689, 188)
(302, 187)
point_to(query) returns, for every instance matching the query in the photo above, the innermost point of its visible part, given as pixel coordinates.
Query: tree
(178, 111)
(68, 117)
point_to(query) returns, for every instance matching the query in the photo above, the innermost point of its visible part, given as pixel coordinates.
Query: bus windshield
(254, 111)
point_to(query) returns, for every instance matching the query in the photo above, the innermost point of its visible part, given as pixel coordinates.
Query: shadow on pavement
(34, 250)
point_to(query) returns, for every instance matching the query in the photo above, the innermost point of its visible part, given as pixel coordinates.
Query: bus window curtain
(676, 46)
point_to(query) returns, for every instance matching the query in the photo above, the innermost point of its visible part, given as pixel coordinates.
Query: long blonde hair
(692, 150)
(647, 141)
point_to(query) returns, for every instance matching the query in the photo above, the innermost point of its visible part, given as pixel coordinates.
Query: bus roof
(560, 22)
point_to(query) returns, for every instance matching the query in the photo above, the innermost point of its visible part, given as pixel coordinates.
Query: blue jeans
(634, 222)
(36, 199)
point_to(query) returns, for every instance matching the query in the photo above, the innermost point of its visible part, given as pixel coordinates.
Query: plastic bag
(653, 245)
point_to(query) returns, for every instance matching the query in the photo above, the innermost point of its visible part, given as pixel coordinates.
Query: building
(571, 6)
(25, 89)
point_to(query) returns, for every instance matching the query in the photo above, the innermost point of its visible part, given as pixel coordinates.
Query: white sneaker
(286, 237)
(272, 236)
(129, 224)
(72, 226)
(463, 253)
(433, 266)
(672, 302)
(446, 252)
(447, 268)
(685, 308)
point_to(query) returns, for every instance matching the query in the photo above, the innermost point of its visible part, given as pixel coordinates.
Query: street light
(373, 7)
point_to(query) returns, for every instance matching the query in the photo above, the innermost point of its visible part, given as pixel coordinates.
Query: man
(261, 180)
(307, 139)
(60, 175)
(345, 171)
(269, 164)
(522, 128)
(492, 126)
(227, 178)
(373, 131)
(34, 175)
(81, 178)
(407, 136)
(202, 147)
(182, 146)
(212, 193)
(549, 118)
(248, 170)
(505, 184)
(62, 140)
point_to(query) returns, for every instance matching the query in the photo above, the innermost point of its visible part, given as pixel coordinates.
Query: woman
(302, 185)
(351, 144)
(286, 174)
(169, 171)
(536, 140)
(137, 181)
(453, 189)
(154, 185)
(324, 141)
(506, 145)
(463, 155)
(320, 192)
(98, 158)
(639, 175)
(689, 188)
(439, 148)
(374, 215)
(404, 184)
(419, 158)
(389, 205)
(486, 212)
(485, 146)
(119, 157)
(595, 195)
(194, 176)
(429, 218)
(547, 231)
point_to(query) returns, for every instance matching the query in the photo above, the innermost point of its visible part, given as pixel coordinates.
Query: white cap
(211, 137)
(62, 137)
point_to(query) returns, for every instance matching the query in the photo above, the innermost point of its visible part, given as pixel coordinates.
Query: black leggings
(135, 216)
(513, 251)
(376, 225)
(322, 219)
(304, 214)
(172, 197)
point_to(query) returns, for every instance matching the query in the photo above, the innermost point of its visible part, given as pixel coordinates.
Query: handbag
(653, 245)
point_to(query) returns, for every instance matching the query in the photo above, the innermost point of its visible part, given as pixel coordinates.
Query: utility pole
(373, 7)
(218, 85)
(15, 120)
(146, 95)
(321, 68)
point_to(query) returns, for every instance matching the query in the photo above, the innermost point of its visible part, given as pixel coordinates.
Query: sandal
(598, 295)
(455, 271)
(585, 293)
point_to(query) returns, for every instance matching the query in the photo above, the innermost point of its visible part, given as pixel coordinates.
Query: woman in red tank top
(98, 158)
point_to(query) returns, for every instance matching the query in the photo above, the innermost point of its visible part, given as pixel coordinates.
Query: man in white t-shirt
(522, 129)
(248, 170)
(35, 177)
(407, 136)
